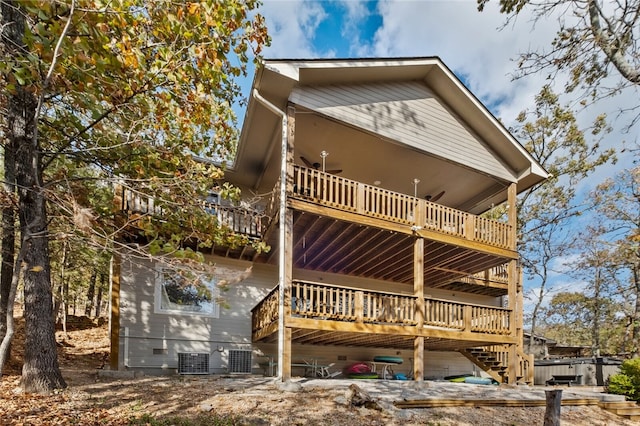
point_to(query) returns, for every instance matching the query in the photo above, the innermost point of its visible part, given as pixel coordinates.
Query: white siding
(407, 112)
(143, 331)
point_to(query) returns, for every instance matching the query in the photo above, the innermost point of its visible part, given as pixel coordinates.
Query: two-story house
(373, 176)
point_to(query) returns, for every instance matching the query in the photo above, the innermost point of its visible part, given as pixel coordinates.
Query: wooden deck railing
(239, 220)
(344, 194)
(350, 304)
(498, 274)
(265, 313)
(337, 303)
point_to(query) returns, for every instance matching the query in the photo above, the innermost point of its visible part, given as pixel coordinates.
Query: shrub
(627, 382)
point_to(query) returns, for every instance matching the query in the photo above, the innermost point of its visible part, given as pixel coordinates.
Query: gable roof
(411, 110)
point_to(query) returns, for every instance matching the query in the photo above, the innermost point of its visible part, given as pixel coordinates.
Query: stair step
(625, 411)
(618, 404)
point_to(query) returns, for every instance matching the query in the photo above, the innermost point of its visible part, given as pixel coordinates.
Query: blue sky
(476, 46)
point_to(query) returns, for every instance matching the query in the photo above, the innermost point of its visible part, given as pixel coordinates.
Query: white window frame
(161, 297)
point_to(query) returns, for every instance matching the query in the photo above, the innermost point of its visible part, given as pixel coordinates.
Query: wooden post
(515, 323)
(467, 316)
(360, 201)
(554, 402)
(512, 193)
(470, 227)
(515, 311)
(512, 364)
(418, 293)
(418, 359)
(287, 248)
(359, 306)
(420, 214)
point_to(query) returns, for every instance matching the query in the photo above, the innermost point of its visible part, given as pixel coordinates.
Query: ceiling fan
(428, 197)
(318, 166)
(434, 198)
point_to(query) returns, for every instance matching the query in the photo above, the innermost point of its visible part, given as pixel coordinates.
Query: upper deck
(416, 214)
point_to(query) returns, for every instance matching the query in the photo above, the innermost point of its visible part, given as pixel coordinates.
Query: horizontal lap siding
(170, 334)
(407, 112)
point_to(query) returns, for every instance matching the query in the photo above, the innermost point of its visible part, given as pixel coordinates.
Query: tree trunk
(534, 320)
(57, 301)
(8, 240)
(91, 293)
(5, 346)
(40, 372)
(64, 284)
(8, 215)
(99, 296)
(554, 403)
(635, 327)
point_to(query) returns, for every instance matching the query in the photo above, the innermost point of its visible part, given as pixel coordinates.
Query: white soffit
(406, 112)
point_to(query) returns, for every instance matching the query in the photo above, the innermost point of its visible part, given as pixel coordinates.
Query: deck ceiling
(340, 247)
(338, 338)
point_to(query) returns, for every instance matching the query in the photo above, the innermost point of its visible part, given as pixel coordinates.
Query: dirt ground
(92, 399)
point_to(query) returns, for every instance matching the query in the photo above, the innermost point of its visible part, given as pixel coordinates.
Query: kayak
(478, 380)
(361, 376)
(388, 359)
(458, 378)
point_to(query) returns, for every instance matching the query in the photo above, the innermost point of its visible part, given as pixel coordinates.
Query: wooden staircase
(493, 360)
(627, 409)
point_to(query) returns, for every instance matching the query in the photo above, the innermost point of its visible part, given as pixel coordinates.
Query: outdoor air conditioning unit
(240, 361)
(193, 363)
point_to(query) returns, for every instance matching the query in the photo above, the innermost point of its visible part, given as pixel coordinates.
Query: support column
(512, 193)
(515, 322)
(418, 292)
(286, 247)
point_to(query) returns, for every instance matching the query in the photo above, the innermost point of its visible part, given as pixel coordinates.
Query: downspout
(281, 235)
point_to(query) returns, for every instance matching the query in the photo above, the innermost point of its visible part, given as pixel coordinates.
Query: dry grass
(210, 400)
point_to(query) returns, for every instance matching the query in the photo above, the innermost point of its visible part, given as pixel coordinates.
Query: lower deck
(322, 314)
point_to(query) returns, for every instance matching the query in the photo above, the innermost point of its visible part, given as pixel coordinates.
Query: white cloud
(292, 26)
(356, 13)
(469, 42)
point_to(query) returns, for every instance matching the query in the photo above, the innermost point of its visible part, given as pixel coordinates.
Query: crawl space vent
(193, 363)
(239, 361)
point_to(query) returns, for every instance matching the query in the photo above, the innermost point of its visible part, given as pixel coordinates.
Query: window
(186, 293)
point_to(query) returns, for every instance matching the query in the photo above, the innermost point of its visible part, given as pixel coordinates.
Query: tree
(618, 202)
(7, 244)
(551, 134)
(568, 319)
(596, 39)
(40, 370)
(125, 94)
